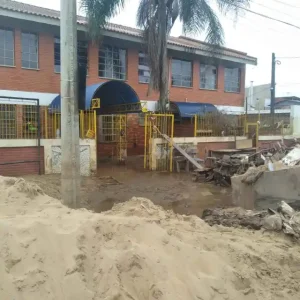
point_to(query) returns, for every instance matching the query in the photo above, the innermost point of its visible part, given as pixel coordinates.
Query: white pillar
(295, 119)
(70, 167)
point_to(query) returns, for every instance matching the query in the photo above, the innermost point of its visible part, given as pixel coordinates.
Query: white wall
(48, 145)
(295, 119)
(45, 98)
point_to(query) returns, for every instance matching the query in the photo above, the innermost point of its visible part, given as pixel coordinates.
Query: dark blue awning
(189, 109)
(113, 94)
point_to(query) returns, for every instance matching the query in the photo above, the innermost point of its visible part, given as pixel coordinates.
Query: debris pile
(285, 219)
(252, 166)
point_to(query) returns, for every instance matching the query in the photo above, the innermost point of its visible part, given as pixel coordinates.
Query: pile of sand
(135, 251)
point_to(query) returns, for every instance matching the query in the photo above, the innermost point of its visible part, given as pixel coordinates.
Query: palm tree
(156, 18)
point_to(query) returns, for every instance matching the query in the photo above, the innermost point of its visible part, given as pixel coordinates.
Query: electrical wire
(289, 57)
(265, 16)
(287, 4)
(276, 10)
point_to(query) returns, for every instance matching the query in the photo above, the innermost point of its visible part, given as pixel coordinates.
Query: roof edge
(41, 13)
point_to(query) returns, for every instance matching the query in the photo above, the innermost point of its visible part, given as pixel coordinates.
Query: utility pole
(70, 172)
(272, 106)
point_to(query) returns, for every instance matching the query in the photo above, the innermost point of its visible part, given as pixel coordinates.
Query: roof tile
(179, 41)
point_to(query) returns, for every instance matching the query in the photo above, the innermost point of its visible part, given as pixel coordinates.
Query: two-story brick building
(30, 62)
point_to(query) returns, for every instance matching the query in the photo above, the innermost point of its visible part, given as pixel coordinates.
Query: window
(208, 77)
(8, 123)
(107, 131)
(30, 51)
(82, 52)
(57, 55)
(181, 73)
(6, 47)
(144, 70)
(232, 80)
(112, 62)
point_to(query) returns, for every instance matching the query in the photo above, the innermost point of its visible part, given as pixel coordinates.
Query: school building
(117, 73)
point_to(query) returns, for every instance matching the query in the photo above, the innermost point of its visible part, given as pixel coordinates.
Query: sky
(257, 36)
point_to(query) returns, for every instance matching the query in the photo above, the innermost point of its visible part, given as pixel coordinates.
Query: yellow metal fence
(21, 122)
(218, 124)
(158, 152)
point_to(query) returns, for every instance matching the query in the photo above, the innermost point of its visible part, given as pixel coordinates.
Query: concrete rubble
(253, 165)
(285, 219)
(264, 186)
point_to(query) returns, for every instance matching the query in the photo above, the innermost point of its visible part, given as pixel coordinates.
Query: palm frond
(234, 6)
(198, 16)
(99, 12)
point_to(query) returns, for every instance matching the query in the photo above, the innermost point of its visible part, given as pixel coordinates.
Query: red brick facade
(46, 80)
(18, 154)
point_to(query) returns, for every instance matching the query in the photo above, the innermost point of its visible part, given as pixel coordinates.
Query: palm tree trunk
(163, 36)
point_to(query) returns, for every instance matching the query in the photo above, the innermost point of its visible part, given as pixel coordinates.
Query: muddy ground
(114, 184)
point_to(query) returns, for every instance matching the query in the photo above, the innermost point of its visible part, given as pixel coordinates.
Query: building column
(295, 119)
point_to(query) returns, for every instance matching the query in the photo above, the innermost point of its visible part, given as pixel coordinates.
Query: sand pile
(135, 251)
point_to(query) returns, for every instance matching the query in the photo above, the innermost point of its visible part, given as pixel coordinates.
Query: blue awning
(189, 109)
(111, 93)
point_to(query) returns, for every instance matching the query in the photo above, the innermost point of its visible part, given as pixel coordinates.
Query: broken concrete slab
(292, 158)
(271, 186)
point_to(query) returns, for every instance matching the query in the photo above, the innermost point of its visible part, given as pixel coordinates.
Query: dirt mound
(135, 251)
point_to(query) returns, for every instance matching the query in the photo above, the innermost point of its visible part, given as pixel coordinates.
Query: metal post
(272, 107)
(70, 174)
(39, 135)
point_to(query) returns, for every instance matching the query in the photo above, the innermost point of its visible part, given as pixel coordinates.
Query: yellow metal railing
(51, 124)
(218, 124)
(158, 156)
(8, 121)
(88, 124)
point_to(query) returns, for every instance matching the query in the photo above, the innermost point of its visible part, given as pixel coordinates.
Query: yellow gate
(158, 153)
(252, 132)
(120, 125)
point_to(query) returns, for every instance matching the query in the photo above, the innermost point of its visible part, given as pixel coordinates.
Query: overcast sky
(253, 34)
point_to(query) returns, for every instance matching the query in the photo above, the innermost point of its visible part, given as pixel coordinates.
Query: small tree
(156, 18)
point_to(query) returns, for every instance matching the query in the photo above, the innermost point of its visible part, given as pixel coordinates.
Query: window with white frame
(208, 77)
(144, 70)
(7, 44)
(181, 73)
(107, 130)
(82, 54)
(30, 51)
(112, 62)
(232, 79)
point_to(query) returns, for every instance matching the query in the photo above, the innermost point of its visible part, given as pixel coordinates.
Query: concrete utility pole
(70, 166)
(272, 106)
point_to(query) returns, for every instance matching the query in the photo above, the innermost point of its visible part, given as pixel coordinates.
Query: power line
(287, 4)
(257, 28)
(276, 10)
(267, 17)
(289, 57)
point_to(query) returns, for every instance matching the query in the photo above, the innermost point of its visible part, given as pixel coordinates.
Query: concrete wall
(49, 145)
(271, 188)
(199, 142)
